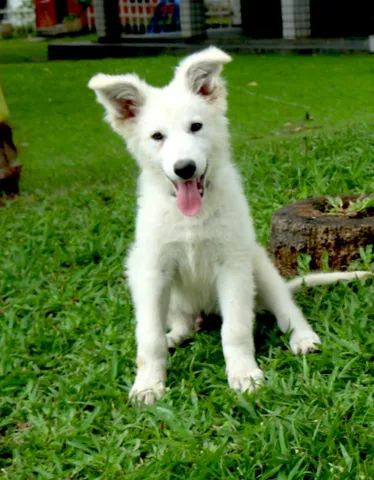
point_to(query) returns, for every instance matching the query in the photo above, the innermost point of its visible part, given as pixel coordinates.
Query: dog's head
(175, 131)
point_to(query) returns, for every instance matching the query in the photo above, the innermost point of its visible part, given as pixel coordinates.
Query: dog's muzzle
(189, 189)
(185, 169)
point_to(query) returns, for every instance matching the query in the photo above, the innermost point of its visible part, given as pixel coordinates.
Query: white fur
(180, 266)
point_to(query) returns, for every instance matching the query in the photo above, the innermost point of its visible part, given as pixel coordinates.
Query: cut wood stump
(311, 227)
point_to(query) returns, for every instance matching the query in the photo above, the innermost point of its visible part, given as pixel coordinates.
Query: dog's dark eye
(158, 136)
(196, 126)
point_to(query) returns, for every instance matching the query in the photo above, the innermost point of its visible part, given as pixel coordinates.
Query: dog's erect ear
(201, 72)
(121, 95)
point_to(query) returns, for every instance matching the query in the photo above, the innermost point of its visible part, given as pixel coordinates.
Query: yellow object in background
(4, 111)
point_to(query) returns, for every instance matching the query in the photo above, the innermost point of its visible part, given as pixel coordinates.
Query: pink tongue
(188, 197)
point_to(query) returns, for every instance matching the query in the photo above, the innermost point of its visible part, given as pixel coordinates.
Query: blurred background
(288, 19)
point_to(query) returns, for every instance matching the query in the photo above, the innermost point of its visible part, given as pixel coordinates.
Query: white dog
(195, 249)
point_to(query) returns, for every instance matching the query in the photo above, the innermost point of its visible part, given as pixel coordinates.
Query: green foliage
(84, 3)
(337, 205)
(66, 319)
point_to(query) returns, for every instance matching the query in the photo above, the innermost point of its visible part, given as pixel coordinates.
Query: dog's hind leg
(276, 297)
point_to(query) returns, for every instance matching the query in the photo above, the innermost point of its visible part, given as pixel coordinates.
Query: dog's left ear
(201, 72)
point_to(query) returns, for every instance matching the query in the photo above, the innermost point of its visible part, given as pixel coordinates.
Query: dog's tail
(314, 279)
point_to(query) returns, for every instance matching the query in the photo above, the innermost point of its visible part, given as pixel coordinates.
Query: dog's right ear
(121, 95)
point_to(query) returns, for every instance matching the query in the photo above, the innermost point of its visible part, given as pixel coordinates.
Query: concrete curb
(93, 50)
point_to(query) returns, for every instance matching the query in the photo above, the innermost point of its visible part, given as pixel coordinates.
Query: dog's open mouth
(189, 195)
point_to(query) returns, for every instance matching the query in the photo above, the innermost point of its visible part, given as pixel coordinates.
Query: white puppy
(195, 249)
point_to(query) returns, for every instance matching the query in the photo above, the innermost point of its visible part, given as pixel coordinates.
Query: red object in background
(45, 13)
(49, 13)
(74, 8)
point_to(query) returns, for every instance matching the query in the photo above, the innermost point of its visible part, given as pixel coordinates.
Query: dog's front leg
(151, 296)
(236, 298)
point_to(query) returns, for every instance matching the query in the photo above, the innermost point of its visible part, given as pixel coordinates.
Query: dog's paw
(147, 394)
(304, 342)
(246, 381)
(173, 340)
(177, 336)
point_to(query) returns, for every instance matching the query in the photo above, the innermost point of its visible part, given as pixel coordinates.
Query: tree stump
(10, 169)
(310, 227)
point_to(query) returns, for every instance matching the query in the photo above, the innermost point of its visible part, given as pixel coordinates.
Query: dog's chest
(196, 246)
(196, 260)
(194, 275)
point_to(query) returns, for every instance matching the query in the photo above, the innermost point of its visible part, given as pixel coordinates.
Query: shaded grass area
(31, 48)
(18, 50)
(66, 321)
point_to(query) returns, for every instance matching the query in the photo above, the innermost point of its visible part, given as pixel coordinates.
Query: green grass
(66, 320)
(32, 49)
(28, 49)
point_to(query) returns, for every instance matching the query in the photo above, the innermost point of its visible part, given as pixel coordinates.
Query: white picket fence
(20, 18)
(220, 13)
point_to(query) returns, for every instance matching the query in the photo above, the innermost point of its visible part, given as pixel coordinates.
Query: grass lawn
(28, 49)
(301, 126)
(31, 49)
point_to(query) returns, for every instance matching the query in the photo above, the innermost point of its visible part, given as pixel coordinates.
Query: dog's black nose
(185, 168)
